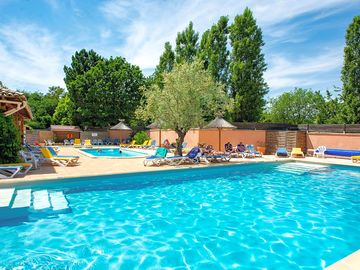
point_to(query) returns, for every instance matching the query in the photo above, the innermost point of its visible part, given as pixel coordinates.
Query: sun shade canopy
(219, 122)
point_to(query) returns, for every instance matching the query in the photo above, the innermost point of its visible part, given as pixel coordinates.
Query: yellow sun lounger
(77, 143)
(132, 143)
(141, 145)
(88, 144)
(296, 152)
(355, 159)
(59, 160)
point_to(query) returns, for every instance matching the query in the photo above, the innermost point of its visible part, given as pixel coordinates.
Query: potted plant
(261, 147)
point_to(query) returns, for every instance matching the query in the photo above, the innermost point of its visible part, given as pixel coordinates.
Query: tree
(109, 91)
(350, 74)
(300, 106)
(189, 95)
(330, 112)
(187, 45)
(43, 106)
(81, 62)
(9, 140)
(166, 64)
(64, 111)
(213, 50)
(247, 66)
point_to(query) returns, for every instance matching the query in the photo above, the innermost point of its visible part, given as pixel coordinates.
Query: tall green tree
(64, 111)
(166, 64)
(213, 50)
(247, 67)
(300, 106)
(109, 91)
(187, 44)
(43, 106)
(188, 96)
(350, 74)
(81, 62)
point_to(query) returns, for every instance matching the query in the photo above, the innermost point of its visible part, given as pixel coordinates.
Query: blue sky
(304, 39)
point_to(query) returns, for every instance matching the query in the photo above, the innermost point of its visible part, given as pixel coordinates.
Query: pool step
(299, 168)
(22, 202)
(6, 195)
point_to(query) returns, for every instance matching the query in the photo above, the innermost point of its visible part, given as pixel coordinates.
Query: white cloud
(29, 56)
(153, 24)
(286, 74)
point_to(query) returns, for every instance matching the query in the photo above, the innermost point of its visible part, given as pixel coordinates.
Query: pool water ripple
(258, 219)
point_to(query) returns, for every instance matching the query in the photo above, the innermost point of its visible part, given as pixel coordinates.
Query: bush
(9, 140)
(140, 137)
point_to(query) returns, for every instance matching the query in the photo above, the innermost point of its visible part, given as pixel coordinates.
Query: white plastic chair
(320, 151)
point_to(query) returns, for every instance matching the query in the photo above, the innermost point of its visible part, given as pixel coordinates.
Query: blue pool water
(258, 216)
(113, 152)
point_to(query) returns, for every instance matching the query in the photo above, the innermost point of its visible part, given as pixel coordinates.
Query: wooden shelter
(14, 104)
(62, 132)
(120, 131)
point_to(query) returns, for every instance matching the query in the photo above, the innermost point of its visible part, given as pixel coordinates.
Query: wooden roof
(14, 102)
(65, 128)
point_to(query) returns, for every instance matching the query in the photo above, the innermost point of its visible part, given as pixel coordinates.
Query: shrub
(9, 140)
(140, 137)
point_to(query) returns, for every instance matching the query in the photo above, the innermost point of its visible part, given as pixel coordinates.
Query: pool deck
(89, 166)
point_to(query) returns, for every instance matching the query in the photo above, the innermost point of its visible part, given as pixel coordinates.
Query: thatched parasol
(220, 123)
(120, 126)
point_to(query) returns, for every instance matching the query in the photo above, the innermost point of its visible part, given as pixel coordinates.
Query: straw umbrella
(120, 126)
(220, 123)
(155, 126)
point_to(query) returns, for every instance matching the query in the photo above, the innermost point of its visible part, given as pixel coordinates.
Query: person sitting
(166, 144)
(240, 147)
(228, 147)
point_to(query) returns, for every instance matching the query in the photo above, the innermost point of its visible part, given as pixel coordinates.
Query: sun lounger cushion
(342, 153)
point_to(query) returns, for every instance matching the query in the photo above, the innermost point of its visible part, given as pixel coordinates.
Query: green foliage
(9, 140)
(331, 111)
(187, 45)
(213, 50)
(43, 106)
(166, 64)
(64, 111)
(188, 98)
(300, 106)
(350, 74)
(140, 137)
(108, 91)
(247, 66)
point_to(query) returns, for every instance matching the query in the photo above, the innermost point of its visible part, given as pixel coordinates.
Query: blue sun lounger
(9, 171)
(156, 159)
(281, 152)
(193, 156)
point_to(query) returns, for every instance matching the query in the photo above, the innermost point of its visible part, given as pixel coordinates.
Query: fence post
(344, 130)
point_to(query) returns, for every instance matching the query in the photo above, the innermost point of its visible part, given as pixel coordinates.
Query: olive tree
(188, 99)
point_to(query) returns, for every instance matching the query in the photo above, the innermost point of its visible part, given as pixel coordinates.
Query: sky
(304, 40)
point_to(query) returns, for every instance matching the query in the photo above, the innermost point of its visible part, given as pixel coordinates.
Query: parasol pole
(219, 139)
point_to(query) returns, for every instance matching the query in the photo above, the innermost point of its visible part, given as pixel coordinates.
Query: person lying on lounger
(228, 147)
(240, 147)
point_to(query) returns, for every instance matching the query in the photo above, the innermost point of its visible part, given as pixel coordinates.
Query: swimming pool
(112, 153)
(256, 216)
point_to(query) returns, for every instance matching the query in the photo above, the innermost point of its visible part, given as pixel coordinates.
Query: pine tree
(350, 74)
(247, 66)
(166, 64)
(187, 45)
(213, 50)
